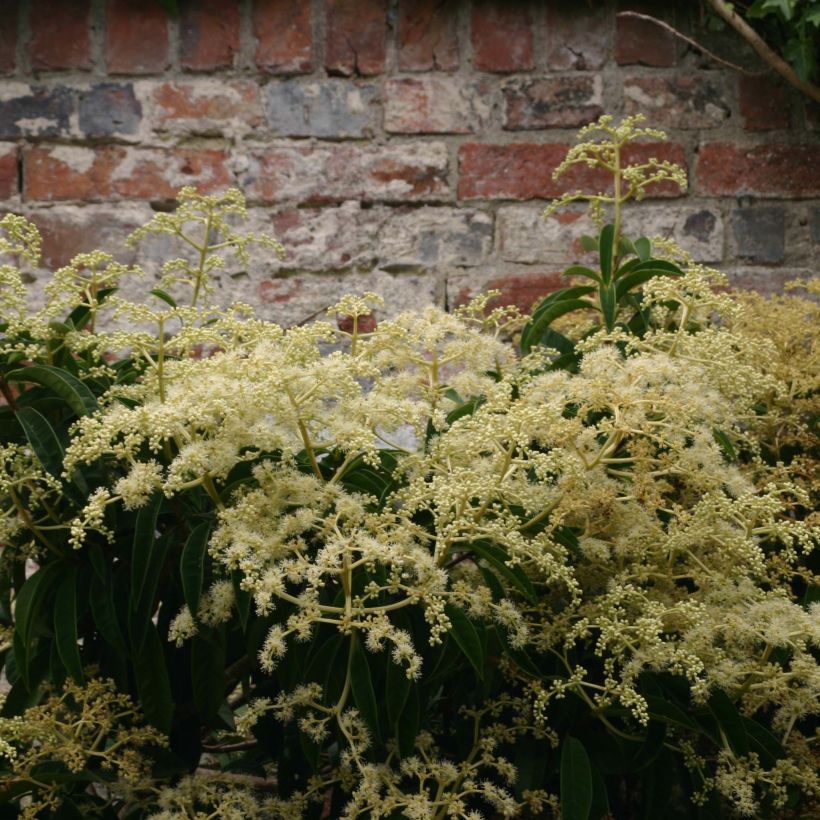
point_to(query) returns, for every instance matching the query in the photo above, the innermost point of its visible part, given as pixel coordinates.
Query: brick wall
(404, 146)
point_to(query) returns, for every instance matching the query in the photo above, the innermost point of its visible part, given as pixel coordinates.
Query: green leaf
(70, 389)
(153, 683)
(166, 297)
(626, 247)
(465, 409)
(28, 607)
(581, 270)
(661, 708)
(409, 723)
(640, 276)
(762, 741)
(43, 440)
(65, 625)
(466, 637)
(192, 565)
(801, 52)
(725, 444)
(143, 547)
(605, 252)
(730, 722)
(589, 243)
(397, 689)
(361, 685)
(576, 781)
(643, 247)
(609, 304)
(497, 558)
(208, 672)
(105, 613)
(532, 332)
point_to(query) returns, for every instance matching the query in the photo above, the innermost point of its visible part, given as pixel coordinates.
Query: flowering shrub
(250, 571)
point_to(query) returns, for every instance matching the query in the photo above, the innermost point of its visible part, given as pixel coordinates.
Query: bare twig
(764, 51)
(681, 36)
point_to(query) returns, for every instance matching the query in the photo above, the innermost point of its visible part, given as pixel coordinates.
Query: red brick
(578, 39)
(764, 103)
(642, 41)
(523, 290)
(324, 174)
(203, 106)
(136, 37)
(428, 38)
(355, 36)
(283, 32)
(779, 170)
(60, 35)
(209, 34)
(8, 39)
(501, 34)
(552, 102)
(67, 232)
(677, 102)
(8, 171)
(524, 170)
(115, 173)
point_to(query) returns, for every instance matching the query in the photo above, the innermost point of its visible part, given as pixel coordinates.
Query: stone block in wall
(764, 103)
(524, 236)
(321, 108)
(639, 41)
(203, 106)
(760, 234)
(764, 280)
(60, 35)
(427, 35)
(502, 36)
(578, 41)
(677, 102)
(552, 102)
(136, 37)
(323, 174)
(698, 229)
(524, 170)
(113, 172)
(814, 225)
(442, 104)
(109, 109)
(356, 37)
(524, 290)
(284, 40)
(34, 111)
(774, 170)
(208, 34)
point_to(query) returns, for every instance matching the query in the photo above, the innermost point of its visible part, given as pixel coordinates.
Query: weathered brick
(776, 170)
(812, 115)
(524, 236)
(677, 102)
(766, 281)
(206, 106)
(60, 34)
(577, 40)
(8, 171)
(502, 36)
(434, 105)
(698, 229)
(322, 108)
(524, 170)
(73, 229)
(109, 108)
(814, 225)
(34, 111)
(760, 234)
(642, 41)
(355, 36)
(552, 102)
(209, 34)
(335, 173)
(428, 37)
(111, 172)
(764, 103)
(429, 237)
(524, 290)
(136, 37)
(283, 34)
(8, 39)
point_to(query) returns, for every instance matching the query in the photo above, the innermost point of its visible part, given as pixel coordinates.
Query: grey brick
(35, 111)
(760, 234)
(327, 108)
(108, 109)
